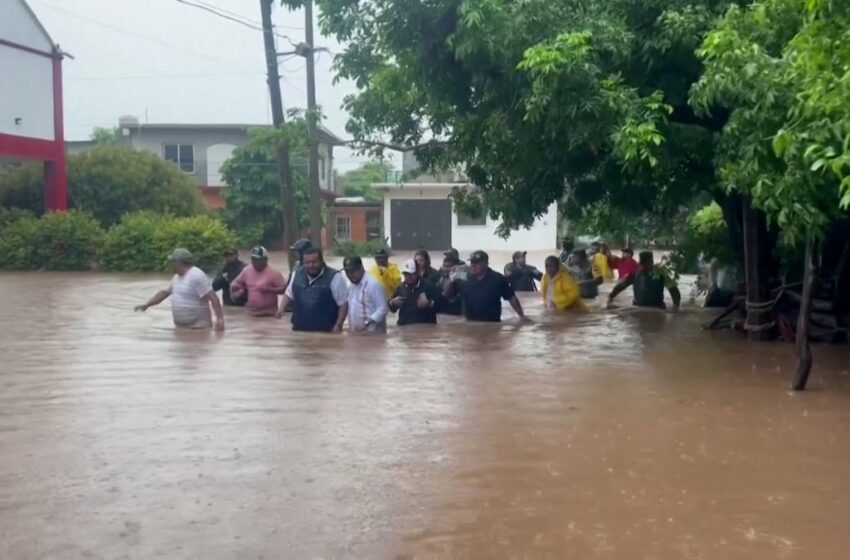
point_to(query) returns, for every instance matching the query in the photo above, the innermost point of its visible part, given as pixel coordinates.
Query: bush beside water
(140, 242)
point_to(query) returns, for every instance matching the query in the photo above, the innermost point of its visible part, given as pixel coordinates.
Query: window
(467, 220)
(181, 155)
(321, 168)
(343, 228)
(373, 225)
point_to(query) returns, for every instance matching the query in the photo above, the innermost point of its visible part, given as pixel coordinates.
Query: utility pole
(284, 168)
(312, 118)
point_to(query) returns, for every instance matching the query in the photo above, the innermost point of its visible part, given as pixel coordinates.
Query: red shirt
(625, 267)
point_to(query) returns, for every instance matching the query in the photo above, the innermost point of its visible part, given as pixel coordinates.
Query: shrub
(108, 182)
(56, 241)
(359, 248)
(143, 240)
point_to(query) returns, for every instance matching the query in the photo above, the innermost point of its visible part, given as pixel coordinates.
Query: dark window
(181, 155)
(343, 228)
(373, 225)
(467, 220)
(321, 168)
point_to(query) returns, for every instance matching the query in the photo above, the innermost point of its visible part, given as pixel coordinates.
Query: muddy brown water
(614, 435)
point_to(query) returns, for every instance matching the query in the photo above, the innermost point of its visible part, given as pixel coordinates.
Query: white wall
(541, 237)
(217, 156)
(18, 25)
(26, 92)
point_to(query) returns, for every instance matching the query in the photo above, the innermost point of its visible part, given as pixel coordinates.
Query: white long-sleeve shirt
(367, 300)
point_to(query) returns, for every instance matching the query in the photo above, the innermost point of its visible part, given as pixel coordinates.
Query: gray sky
(176, 63)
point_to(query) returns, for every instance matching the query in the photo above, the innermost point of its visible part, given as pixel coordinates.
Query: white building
(31, 126)
(418, 214)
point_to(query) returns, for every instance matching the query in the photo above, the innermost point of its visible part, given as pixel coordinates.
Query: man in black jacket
(232, 267)
(415, 300)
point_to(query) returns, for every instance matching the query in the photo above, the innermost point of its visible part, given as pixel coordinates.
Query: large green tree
(358, 182)
(108, 182)
(541, 100)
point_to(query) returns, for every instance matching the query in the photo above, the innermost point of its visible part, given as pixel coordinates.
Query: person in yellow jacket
(601, 268)
(386, 272)
(559, 289)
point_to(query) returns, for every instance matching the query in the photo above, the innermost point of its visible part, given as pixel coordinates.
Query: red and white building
(31, 126)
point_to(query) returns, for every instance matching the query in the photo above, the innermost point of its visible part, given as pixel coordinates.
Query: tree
(358, 182)
(540, 100)
(108, 182)
(105, 136)
(252, 194)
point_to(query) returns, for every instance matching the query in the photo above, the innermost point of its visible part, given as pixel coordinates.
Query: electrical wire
(240, 19)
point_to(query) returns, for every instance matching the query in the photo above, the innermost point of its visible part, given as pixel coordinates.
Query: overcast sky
(167, 62)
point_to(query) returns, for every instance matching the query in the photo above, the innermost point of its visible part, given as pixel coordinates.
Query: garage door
(421, 224)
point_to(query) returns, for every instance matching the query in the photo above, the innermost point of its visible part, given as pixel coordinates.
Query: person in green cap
(649, 282)
(191, 295)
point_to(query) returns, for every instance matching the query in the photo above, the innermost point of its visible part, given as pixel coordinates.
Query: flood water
(614, 435)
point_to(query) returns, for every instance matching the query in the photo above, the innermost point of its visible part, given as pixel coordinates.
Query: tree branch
(395, 147)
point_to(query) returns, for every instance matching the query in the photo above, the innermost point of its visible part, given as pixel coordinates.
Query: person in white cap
(262, 283)
(191, 295)
(415, 300)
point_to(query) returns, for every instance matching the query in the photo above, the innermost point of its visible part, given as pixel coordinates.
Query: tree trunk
(759, 316)
(804, 351)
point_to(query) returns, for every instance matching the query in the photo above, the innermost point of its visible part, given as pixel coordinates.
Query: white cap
(409, 267)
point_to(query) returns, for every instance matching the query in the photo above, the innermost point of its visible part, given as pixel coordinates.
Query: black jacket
(222, 282)
(409, 312)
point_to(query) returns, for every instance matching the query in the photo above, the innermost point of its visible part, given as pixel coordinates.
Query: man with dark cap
(483, 291)
(191, 295)
(521, 276)
(261, 283)
(367, 302)
(232, 267)
(649, 282)
(319, 296)
(582, 271)
(567, 248)
(385, 272)
(453, 256)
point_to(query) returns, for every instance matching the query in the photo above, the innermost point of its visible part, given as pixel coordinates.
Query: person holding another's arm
(649, 282)
(618, 289)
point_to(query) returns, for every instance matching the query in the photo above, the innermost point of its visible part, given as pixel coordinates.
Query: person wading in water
(483, 291)
(415, 300)
(367, 302)
(649, 282)
(559, 289)
(521, 276)
(261, 282)
(385, 272)
(191, 295)
(232, 267)
(319, 296)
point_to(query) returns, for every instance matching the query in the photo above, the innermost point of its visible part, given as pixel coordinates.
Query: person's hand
(219, 325)
(524, 319)
(140, 308)
(422, 302)
(397, 301)
(337, 329)
(226, 276)
(280, 313)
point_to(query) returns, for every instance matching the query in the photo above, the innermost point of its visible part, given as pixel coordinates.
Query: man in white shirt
(367, 299)
(191, 295)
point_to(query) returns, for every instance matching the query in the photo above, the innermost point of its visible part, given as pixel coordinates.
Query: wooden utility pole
(759, 314)
(284, 167)
(804, 352)
(312, 120)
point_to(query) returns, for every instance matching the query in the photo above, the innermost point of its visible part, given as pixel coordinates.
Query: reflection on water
(616, 434)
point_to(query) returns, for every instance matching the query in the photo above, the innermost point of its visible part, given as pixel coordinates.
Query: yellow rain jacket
(565, 291)
(389, 277)
(601, 268)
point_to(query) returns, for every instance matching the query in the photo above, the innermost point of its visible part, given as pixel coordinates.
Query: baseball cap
(259, 252)
(478, 257)
(231, 251)
(352, 263)
(181, 255)
(381, 253)
(301, 245)
(409, 267)
(452, 253)
(518, 254)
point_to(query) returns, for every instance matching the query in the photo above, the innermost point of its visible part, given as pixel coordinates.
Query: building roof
(324, 134)
(39, 27)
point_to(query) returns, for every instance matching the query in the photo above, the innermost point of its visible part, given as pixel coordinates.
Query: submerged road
(614, 435)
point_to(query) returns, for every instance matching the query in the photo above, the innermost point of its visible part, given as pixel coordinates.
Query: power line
(136, 35)
(161, 76)
(256, 26)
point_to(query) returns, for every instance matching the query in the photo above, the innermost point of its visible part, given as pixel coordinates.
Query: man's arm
(340, 317)
(157, 298)
(213, 300)
(449, 289)
(621, 285)
(537, 274)
(237, 286)
(219, 282)
(339, 289)
(517, 307)
(380, 314)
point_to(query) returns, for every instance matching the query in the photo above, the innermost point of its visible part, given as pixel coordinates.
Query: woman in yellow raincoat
(601, 267)
(559, 289)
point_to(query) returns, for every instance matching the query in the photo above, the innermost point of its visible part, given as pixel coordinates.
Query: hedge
(74, 240)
